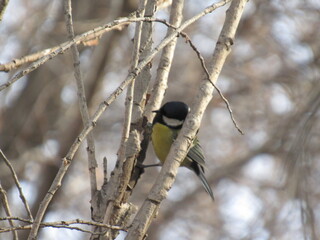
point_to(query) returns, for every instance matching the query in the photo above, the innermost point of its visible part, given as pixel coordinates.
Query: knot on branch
(226, 42)
(133, 145)
(192, 122)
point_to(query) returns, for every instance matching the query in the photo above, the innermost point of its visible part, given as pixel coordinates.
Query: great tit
(165, 128)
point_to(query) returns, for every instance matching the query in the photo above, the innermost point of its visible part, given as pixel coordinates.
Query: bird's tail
(204, 182)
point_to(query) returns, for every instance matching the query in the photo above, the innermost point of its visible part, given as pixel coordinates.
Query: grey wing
(196, 153)
(196, 156)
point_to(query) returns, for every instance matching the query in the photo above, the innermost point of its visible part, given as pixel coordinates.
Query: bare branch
(203, 65)
(53, 52)
(92, 163)
(16, 180)
(3, 5)
(179, 148)
(59, 224)
(14, 64)
(5, 204)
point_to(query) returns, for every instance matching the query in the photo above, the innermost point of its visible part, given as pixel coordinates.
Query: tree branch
(59, 224)
(92, 163)
(3, 5)
(159, 88)
(16, 180)
(5, 204)
(179, 148)
(203, 65)
(114, 187)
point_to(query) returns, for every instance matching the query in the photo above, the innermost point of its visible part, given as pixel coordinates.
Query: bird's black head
(172, 114)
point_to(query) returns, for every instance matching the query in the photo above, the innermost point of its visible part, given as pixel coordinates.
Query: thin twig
(79, 39)
(89, 35)
(16, 181)
(15, 63)
(26, 227)
(64, 222)
(16, 218)
(83, 106)
(60, 224)
(5, 204)
(186, 37)
(43, 56)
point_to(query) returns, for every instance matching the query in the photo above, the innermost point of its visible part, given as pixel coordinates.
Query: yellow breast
(162, 138)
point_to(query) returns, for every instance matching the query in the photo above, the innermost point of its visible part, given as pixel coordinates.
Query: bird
(166, 125)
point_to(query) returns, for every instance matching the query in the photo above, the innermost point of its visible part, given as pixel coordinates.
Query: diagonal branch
(203, 65)
(92, 163)
(16, 180)
(48, 54)
(3, 5)
(179, 148)
(4, 202)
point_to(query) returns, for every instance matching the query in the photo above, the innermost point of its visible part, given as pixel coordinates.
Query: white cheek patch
(172, 122)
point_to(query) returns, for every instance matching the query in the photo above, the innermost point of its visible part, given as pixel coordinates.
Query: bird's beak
(156, 111)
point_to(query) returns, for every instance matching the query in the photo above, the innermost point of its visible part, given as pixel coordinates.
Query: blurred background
(266, 183)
